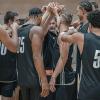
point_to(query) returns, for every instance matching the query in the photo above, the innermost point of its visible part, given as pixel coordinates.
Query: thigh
(6, 98)
(16, 93)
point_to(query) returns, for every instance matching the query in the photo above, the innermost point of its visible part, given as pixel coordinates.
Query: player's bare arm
(76, 38)
(47, 17)
(64, 49)
(36, 36)
(10, 42)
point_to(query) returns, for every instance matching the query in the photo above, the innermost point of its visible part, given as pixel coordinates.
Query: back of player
(90, 79)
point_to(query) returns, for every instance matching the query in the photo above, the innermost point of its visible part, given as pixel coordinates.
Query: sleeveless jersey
(7, 65)
(27, 74)
(90, 78)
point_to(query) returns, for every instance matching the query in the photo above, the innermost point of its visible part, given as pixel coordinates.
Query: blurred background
(23, 6)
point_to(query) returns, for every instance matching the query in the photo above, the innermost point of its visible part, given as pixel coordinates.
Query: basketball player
(66, 87)
(8, 75)
(89, 47)
(30, 61)
(83, 9)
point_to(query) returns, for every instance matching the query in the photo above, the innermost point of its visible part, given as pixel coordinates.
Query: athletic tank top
(83, 29)
(7, 65)
(27, 74)
(90, 78)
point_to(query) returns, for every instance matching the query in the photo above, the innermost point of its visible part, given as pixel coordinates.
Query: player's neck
(84, 20)
(96, 31)
(32, 22)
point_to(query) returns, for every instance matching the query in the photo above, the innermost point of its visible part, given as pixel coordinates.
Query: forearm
(59, 67)
(15, 37)
(14, 40)
(44, 17)
(38, 61)
(64, 49)
(46, 23)
(58, 19)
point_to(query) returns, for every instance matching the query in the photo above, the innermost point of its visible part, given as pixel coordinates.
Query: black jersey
(27, 74)
(90, 78)
(50, 50)
(83, 29)
(7, 65)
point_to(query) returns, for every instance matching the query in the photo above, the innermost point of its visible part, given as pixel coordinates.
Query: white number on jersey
(21, 43)
(96, 63)
(3, 50)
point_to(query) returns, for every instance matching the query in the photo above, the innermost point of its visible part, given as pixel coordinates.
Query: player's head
(83, 9)
(36, 14)
(53, 24)
(94, 18)
(9, 17)
(66, 18)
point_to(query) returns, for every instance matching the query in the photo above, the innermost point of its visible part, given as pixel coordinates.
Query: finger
(42, 93)
(52, 88)
(45, 93)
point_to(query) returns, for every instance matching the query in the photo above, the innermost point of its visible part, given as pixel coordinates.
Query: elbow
(65, 39)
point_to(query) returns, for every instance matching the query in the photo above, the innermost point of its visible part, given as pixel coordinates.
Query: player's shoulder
(36, 29)
(78, 35)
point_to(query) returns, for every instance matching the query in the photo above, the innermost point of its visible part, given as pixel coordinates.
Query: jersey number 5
(96, 63)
